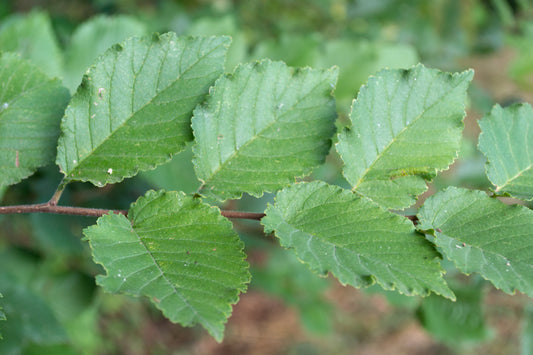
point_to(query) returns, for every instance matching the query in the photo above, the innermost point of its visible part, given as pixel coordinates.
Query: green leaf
(506, 139)
(91, 39)
(2, 315)
(285, 277)
(132, 111)
(261, 127)
(481, 234)
(33, 38)
(177, 251)
(459, 321)
(31, 107)
(176, 175)
(334, 230)
(527, 331)
(406, 126)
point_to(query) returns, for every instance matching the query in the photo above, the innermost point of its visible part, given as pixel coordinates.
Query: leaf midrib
(276, 120)
(411, 123)
(88, 156)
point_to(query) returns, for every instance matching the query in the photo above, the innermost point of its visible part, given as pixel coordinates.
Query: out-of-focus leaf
(527, 331)
(334, 230)
(176, 175)
(33, 38)
(359, 59)
(284, 276)
(226, 25)
(59, 234)
(177, 251)
(29, 318)
(295, 50)
(133, 110)
(506, 139)
(91, 39)
(481, 234)
(455, 322)
(261, 127)
(406, 126)
(2, 315)
(31, 107)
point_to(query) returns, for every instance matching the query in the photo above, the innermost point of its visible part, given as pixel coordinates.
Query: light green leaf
(91, 39)
(33, 38)
(2, 315)
(176, 175)
(261, 127)
(406, 126)
(334, 230)
(506, 139)
(132, 111)
(31, 107)
(177, 251)
(527, 331)
(481, 234)
(225, 25)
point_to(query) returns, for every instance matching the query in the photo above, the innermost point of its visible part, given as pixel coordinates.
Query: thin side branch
(243, 215)
(51, 208)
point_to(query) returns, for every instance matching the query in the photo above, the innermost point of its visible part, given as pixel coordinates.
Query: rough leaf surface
(31, 107)
(133, 108)
(261, 127)
(177, 251)
(334, 230)
(406, 126)
(507, 141)
(481, 234)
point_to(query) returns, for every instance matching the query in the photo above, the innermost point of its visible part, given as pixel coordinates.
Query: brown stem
(242, 215)
(49, 207)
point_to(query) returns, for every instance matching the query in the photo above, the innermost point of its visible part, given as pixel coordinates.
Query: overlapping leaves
(507, 141)
(133, 108)
(262, 126)
(481, 234)
(31, 107)
(406, 126)
(334, 230)
(177, 251)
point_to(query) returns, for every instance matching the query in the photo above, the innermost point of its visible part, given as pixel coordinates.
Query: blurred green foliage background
(50, 298)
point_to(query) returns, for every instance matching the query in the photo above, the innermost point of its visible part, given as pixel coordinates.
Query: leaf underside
(406, 126)
(481, 234)
(31, 107)
(133, 108)
(177, 251)
(506, 139)
(334, 230)
(261, 127)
